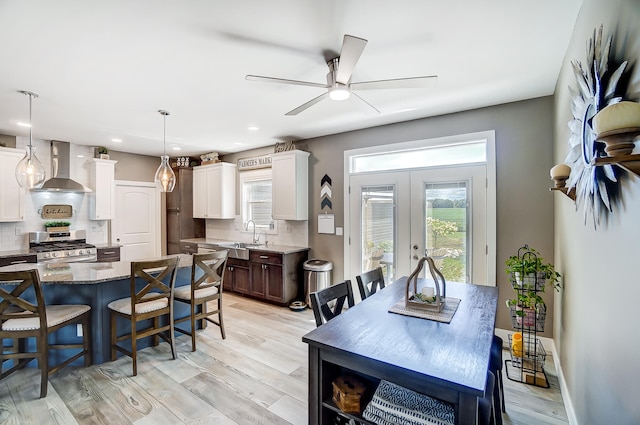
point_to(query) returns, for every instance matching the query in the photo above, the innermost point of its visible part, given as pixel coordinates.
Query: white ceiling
(104, 68)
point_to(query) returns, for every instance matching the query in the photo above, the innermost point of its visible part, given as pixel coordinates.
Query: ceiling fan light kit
(339, 86)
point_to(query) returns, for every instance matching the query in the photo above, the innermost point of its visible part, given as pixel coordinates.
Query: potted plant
(101, 152)
(530, 274)
(529, 270)
(57, 226)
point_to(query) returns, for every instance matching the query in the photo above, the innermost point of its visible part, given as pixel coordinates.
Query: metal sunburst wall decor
(595, 186)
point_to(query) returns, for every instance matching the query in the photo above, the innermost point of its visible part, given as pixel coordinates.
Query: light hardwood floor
(257, 375)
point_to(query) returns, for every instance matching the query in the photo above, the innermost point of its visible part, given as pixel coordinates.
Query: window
(256, 199)
(473, 151)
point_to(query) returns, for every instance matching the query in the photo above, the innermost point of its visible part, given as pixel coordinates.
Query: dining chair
(24, 314)
(321, 301)
(207, 278)
(369, 282)
(495, 366)
(486, 405)
(153, 301)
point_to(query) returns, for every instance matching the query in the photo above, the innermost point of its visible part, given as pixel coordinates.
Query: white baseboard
(549, 347)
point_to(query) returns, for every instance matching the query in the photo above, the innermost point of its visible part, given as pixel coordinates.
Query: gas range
(62, 247)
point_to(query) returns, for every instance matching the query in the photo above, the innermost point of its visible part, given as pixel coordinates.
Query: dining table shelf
(446, 361)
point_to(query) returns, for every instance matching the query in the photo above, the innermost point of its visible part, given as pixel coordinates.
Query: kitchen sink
(241, 245)
(239, 250)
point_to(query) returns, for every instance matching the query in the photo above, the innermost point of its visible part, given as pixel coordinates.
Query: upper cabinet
(11, 194)
(214, 190)
(102, 182)
(290, 199)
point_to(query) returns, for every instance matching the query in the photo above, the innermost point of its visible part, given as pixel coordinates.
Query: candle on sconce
(559, 174)
(428, 292)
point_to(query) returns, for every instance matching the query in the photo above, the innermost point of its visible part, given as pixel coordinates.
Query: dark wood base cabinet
(267, 275)
(236, 277)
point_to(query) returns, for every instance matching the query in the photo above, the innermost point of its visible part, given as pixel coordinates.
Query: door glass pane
(378, 229)
(447, 233)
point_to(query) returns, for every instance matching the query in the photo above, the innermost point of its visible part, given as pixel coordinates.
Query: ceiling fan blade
(284, 81)
(304, 106)
(374, 108)
(352, 48)
(397, 83)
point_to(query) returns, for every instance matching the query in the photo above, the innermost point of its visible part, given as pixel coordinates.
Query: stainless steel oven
(62, 247)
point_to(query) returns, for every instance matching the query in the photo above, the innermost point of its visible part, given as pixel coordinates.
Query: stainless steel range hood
(60, 165)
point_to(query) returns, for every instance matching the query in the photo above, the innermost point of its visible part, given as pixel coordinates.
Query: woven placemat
(444, 316)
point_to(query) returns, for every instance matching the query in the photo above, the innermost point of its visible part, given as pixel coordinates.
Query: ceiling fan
(339, 85)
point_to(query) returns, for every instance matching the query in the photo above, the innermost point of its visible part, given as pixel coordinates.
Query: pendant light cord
(31, 96)
(164, 136)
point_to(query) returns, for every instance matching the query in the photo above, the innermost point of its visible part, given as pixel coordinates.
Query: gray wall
(596, 329)
(524, 157)
(134, 167)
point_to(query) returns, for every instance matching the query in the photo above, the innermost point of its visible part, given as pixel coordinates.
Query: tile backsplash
(14, 235)
(291, 233)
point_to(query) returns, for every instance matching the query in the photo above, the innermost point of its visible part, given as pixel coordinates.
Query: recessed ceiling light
(238, 143)
(24, 124)
(176, 148)
(253, 128)
(116, 140)
(80, 156)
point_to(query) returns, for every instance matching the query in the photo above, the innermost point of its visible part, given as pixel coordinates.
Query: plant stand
(527, 358)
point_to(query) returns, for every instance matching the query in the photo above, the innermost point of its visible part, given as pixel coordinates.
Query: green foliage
(532, 262)
(529, 261)
(452, 270)
(439, 227)
(57, 224)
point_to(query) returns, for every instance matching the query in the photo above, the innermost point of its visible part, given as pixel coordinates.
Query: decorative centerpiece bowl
(432, 300)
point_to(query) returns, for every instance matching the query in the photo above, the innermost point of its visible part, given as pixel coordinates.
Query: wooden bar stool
(207, 287)
(23, 314)
(153, 301)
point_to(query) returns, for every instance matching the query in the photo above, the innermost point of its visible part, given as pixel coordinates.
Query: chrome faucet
(246, 227)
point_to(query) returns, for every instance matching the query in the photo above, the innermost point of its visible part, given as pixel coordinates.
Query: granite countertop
(86, 273)
(281, 249)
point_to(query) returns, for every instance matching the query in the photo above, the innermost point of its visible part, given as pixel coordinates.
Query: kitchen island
(96, 284)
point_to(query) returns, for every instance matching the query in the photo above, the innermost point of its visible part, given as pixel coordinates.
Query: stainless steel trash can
(317, 276)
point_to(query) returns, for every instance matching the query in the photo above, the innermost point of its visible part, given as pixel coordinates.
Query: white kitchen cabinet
(214, 190)
(11, 194)
(290, 180)
(102, 182)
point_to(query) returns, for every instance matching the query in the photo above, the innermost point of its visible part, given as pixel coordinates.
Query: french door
(396, 217)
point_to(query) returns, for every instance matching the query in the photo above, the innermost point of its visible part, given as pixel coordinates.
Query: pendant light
(165, 175)
(30, 171)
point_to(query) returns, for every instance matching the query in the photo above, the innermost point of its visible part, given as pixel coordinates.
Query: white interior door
(136, 226)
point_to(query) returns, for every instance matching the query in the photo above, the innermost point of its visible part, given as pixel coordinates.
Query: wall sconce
(559, 174)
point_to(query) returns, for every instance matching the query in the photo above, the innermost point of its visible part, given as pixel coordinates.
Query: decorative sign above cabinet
(263, 161)
(284, 147)
(57, 211)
